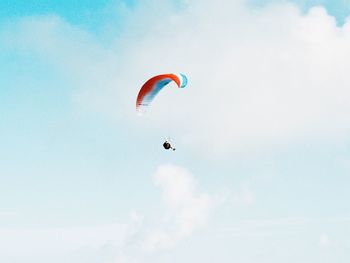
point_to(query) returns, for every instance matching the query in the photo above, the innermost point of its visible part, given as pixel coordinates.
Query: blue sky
(261, 170)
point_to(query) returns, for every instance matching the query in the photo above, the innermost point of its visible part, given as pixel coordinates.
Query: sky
(261, 170)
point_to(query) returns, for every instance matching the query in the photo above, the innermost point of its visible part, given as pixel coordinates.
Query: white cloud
(257, 77)
(88, 67)
(40, 245)
(325, 241)
(8, 214)
(186, 208)
(244, 196)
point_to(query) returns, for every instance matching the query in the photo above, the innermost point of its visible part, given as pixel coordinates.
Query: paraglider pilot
(168, 146)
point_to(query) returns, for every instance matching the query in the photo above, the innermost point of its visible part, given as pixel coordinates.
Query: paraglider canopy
(151, 88)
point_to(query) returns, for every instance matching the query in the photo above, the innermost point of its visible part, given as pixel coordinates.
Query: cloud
(258, 78)
(57, 244)
(75, 55)
(325, 241)
(8, 214)
(185, 211)
(186, 208)
(244, 196)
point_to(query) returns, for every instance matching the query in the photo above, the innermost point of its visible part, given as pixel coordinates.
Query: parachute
(151, 88)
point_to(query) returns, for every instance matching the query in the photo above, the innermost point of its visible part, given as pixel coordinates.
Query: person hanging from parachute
(168, 146)
(152, 87)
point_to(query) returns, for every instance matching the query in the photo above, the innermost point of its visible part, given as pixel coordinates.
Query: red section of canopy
(150, 85)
